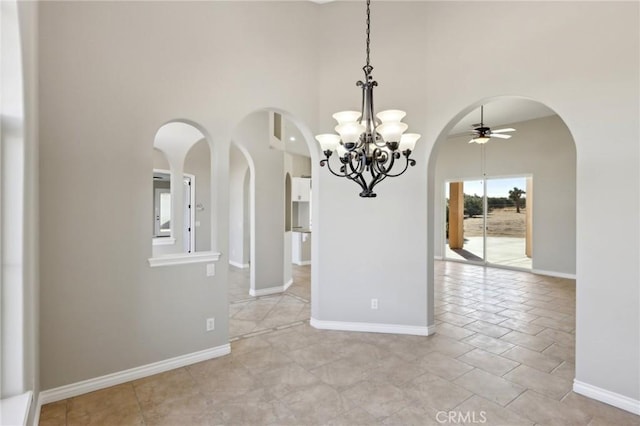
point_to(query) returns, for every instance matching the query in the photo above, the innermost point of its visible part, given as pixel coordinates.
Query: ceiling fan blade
(494, 135)
(509, 129)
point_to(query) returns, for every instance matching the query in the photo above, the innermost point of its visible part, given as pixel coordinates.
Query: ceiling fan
(481, 134)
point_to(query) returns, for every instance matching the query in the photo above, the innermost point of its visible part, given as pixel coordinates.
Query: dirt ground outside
(500, 223)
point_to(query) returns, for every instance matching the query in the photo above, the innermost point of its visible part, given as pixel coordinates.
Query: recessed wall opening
(181, 219)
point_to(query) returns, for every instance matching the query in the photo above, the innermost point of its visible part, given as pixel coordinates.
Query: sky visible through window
(498, 187)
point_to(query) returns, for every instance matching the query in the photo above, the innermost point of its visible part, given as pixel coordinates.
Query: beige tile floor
(503, 354)
(253, 315)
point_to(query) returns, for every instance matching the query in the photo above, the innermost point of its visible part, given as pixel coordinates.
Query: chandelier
(369, 148)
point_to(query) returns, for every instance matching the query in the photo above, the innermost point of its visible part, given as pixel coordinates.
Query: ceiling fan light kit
(483, 134)
(368, 146)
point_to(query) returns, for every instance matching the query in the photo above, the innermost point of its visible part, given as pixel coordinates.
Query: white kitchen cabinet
(301, 189)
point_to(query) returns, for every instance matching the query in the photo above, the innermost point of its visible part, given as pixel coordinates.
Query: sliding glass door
(506, 222)
(489, 221)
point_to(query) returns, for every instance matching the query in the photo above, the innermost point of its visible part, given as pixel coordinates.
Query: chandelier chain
(368, 31)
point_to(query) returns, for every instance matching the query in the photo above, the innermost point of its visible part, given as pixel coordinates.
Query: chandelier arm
(377, 177)
(356, 169)
(380, 165)
(362, 182)
(410, 162)
(392, 161)
(356, 175)
(332, 172)
(356, 172)
(328, 163)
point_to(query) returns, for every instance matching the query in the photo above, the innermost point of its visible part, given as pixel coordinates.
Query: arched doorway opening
(490, 218)
(502, 309)
(272, 287)
(182, 204)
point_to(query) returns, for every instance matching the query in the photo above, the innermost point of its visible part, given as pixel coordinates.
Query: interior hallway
(504, 346)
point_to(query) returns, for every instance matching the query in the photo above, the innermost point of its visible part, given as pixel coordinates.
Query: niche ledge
(163, 241)
(184, 258)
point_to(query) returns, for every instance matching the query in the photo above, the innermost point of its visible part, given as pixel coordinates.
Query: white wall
(300, 165)
(542, 148)
(28, 15)
(12, 197)
(286, 242)
(580, 59)
(19, 358)
(198, 163)
(267, 198)
(99, 294)
(239, 233)
(551, 53)
(160, 160)
(372, 248)
(246, 216)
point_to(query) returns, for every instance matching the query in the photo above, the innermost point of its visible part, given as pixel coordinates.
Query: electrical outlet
(211, 269)
(211, 324)
(374, 303)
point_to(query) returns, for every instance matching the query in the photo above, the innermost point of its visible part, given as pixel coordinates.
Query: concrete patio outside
(505, 251)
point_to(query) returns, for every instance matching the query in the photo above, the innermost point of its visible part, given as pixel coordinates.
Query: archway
(274, 152)
(536, 151)
(182, 176)
(542, 148)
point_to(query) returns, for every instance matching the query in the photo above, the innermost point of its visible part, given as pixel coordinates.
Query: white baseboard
(265, 291)
(90, 385)
(287, 285)
(270, 290)
(373, 327)
(606, 396)
(302, 262)
(239, 265)
(554, 274)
